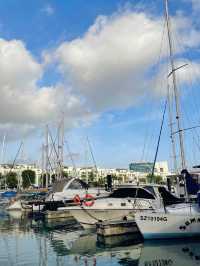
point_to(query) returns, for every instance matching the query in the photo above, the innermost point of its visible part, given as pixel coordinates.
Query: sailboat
(182, 220)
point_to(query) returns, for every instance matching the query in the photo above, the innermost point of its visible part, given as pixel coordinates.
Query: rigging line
(144, 146)
(176, 92)
(193, 102)
(58, 163)
(175, 69)
(171, 130)
(179, 43)
(194, 140)
(161, 46)
(195, 129)
(71, 157)
(3, 148)
(158, 144)
(194, 151)
(90, 147)
(149, 135)
(18, 151)
(185, 129)
(53, 143)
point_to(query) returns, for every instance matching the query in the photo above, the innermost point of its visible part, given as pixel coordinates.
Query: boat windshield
(167, 197)
(151, 189)
(78, 184)
(131, 193)
(58, 186)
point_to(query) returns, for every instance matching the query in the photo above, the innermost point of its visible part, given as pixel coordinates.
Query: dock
(116, 228)
(58, 214)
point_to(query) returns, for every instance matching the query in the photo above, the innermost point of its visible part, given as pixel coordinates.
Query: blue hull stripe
(169, 235)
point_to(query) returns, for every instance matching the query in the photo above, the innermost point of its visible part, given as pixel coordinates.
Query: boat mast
(177, 104)
(47, 156)
(171, 131)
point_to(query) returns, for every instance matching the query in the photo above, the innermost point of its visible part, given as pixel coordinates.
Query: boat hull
(89, 217)
(9, 194)
(18, 205)
(166, 225)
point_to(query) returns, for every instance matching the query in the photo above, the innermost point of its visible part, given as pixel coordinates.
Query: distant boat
(21, 201)
(9, 193)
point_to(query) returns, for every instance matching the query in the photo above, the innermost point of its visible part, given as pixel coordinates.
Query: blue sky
(96, 61)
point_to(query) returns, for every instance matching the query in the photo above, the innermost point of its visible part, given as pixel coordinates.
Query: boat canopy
(69, 183)
(131, 192)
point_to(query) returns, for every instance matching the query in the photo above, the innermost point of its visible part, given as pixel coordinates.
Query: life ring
(88, 200)
(77, 199)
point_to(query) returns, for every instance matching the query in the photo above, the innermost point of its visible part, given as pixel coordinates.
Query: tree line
(11, 179)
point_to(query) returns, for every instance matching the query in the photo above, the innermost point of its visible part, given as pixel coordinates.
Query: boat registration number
(153, 218)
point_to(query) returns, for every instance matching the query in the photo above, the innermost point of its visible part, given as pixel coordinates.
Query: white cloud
(48, 9)
(24, 103)
(187, 75)
(195, 5)
(110, 64)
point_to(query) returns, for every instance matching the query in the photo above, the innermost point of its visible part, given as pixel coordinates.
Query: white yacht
(122, 203)
(176, 221)
(65, 191)
(22, 202)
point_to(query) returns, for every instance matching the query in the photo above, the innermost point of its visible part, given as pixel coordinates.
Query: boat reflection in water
(28, 242)
(118, 251)
(171, 252)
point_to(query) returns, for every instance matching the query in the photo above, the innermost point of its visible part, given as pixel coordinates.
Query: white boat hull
(108, 209)
(14, 206)
(168, 225)
(18, 205)
(88, 217)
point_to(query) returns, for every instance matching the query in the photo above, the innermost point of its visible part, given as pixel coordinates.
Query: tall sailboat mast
(175, 168)
(177, 104)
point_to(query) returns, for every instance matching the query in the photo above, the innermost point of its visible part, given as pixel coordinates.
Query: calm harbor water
(27, 242)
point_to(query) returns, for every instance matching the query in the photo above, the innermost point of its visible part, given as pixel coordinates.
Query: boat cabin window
(131, 193)
(150, 189)
(75, 185)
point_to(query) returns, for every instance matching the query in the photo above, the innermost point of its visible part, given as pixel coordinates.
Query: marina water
(25, 241)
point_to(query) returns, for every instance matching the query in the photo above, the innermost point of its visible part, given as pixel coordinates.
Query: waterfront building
(142, 169)
(19, 168)
(136, 172)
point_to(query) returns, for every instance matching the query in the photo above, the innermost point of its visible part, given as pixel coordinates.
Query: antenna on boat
(177, 104)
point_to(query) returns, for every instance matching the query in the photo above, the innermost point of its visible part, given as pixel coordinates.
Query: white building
(121, 175)
(19, 168)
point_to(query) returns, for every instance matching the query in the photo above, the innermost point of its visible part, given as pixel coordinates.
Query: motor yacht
(122, 203)
(64, 191)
